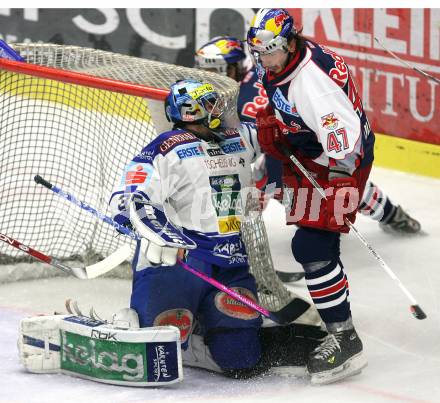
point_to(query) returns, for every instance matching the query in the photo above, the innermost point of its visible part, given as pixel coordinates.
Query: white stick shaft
(355, 230)
(382, 262)
(405, 63)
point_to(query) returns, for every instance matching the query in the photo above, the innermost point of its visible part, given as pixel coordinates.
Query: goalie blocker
(95, 350)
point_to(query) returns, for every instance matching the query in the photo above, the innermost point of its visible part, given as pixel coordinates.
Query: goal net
(76, 116)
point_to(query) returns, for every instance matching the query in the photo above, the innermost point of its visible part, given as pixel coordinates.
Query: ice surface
(403, 353)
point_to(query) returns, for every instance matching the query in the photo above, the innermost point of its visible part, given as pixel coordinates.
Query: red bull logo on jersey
(330, 121)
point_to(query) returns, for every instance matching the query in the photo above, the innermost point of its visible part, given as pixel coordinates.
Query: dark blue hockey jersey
(252, 96)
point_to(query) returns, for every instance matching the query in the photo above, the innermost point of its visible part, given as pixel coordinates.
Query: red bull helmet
(219, 52)
(270, 30)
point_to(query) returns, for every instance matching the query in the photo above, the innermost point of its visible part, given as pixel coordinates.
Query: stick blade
(109, 263)
(418, 312)
(293, 310)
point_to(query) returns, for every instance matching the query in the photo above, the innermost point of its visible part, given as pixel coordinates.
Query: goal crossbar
(84, 79)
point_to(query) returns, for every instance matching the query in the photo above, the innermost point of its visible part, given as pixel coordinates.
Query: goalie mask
(191, 101)
(270, 30)
(219, 52)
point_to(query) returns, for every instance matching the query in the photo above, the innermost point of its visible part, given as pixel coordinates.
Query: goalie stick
(285, 315)
(415, 308)
(173, 240)
(84, 272)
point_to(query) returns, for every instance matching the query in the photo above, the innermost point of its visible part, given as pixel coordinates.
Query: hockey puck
(289, 277)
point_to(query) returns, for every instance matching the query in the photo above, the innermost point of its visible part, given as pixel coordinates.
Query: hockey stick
(69, 197)
(414, 308)
(420, 71)
(290, 277)
(85, 272)
(6, 52)
(166, 239)
(285, 315)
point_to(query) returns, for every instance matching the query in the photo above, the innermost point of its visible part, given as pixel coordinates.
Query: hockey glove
(270, 138)
(342, 202)
(154, 255)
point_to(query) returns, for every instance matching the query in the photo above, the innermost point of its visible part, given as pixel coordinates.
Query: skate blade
(289, 371)
(351, 367)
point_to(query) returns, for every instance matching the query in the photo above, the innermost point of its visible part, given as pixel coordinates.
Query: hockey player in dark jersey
(226, 55)
(316, 115)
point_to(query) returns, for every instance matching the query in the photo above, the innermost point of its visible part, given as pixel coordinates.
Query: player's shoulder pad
(248, 132)
(168, 141)
(327, 60)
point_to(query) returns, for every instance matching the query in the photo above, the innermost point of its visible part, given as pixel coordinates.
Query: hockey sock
(376, 204)
(328, 287)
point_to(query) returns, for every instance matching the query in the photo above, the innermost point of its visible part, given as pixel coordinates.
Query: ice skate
(337, 357)
(401, 223)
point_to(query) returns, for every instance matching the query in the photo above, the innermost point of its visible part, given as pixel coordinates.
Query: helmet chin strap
(214, 123)
(211, 135)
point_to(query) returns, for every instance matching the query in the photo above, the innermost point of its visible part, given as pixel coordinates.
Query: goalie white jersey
(199, 185)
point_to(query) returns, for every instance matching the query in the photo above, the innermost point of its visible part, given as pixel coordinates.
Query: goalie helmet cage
(77, 116)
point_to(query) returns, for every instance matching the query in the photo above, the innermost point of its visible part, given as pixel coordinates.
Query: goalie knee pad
(93, 349)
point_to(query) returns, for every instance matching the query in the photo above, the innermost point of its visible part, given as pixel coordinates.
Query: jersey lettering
(333, 144)
(251, 108)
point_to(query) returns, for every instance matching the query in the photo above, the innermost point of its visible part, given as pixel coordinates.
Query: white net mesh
(80, 138)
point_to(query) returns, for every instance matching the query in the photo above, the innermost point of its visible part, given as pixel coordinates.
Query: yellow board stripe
(407, 155)
(75, 96)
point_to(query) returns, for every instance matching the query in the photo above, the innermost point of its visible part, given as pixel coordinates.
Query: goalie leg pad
(92, 349)
(39, 343)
